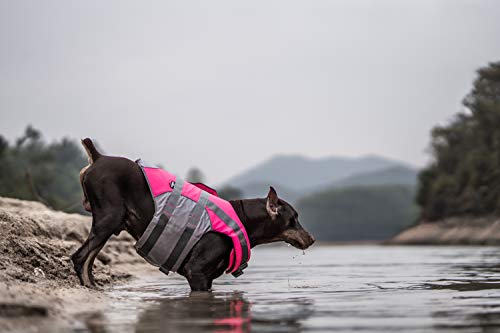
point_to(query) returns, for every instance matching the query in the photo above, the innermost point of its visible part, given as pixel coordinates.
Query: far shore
(451, 231)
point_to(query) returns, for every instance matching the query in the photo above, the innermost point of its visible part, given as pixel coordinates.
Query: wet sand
(37, 279)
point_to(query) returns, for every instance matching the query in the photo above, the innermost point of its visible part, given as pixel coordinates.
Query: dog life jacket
(183, 214)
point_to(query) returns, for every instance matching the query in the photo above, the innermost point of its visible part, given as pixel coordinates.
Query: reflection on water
(219, 312)
(197, 311)
(340, 288)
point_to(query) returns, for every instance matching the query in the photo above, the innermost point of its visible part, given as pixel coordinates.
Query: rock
(452, 231)
(39, 273)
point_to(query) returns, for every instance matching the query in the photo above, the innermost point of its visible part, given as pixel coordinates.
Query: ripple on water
(345, 288)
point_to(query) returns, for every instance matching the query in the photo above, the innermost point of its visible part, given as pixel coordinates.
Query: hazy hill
(358, 213)
(397, 175)
(260, 190)
(303, 174)
(295, 177)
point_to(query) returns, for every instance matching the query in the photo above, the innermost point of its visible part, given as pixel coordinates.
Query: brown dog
(119, 198)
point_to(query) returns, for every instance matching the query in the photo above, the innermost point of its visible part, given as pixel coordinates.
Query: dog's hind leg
(83, 258)
(108, 217)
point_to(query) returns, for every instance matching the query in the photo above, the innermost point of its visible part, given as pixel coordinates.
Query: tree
(464, 175)
(31, 169)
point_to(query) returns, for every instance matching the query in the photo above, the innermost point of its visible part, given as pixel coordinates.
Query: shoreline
(47, 306)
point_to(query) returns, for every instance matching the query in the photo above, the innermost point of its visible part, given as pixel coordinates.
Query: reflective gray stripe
(170, 205)
(198, 209)
(234, 226)
(172, 263)
(173, 200)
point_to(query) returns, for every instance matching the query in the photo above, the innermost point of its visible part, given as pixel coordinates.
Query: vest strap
(237, 230)
(153, 237)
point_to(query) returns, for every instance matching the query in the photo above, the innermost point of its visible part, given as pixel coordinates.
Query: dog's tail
(92, 153)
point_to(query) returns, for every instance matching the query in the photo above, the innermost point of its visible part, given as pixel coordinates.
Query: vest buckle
(239, 271)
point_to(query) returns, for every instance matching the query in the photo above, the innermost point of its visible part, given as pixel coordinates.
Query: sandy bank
(37, 283)
(452, 231)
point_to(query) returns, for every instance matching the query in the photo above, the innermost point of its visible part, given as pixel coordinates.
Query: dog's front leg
(199, 282)
(201, 274)
(207, 261)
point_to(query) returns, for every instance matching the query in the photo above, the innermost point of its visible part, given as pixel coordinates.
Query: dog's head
(284, 223)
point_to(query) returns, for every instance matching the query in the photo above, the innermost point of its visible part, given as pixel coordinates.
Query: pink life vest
(183, 214)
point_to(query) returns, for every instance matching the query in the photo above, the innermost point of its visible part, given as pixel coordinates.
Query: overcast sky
(223, 85)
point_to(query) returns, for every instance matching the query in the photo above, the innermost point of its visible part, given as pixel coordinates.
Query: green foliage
(31, 169)
(464, 177)
(358, 213)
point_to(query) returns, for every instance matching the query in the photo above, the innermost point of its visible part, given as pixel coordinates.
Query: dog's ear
(272, 204)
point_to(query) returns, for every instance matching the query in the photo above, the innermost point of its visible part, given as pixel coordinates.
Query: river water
(329, 288)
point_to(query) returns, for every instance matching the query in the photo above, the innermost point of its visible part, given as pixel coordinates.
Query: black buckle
(239, 271)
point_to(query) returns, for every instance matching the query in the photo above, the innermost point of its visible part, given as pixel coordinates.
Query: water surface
(341, 288)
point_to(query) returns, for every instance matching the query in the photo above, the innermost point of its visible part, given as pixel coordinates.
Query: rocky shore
(452, 231)
(36, 274)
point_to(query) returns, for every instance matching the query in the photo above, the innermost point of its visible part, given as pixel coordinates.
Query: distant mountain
(260, 190)
(304, 175)
(358, 213)
(396, 175)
